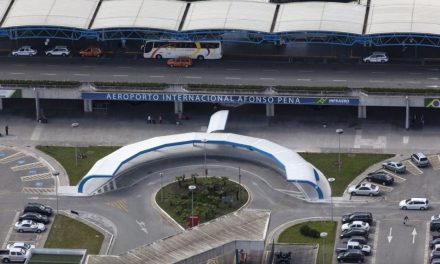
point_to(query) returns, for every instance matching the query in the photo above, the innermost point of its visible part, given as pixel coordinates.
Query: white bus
(172, 49)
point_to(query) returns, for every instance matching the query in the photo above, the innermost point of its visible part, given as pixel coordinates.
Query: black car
(354, 232)
(435, 225)
(434, 242)
(38, 208)
(351, 256)
(358, 216)
(380, 177)
(39, 218)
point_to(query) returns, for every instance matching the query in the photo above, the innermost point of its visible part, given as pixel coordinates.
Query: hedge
(305, 89)
(104, 85)
(199, 87)
(37, 83)
(401, 91)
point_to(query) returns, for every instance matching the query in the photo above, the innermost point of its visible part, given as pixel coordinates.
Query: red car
(91, 52)
(180, 62)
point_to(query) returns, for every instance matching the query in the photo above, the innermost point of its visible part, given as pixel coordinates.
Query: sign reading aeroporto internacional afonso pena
(221, 98)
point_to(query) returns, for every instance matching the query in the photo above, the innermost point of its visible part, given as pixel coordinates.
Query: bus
(199, 50)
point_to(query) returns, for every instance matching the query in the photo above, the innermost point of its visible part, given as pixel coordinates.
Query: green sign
(432, 102)
(10, 93)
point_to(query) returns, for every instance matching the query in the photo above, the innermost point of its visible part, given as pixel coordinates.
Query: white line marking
(156, 76)
(81, 74)
(8, 235)
(264, 78)
(304, 80)
(125, 67)
(232, 78)
(193, 77)
(425, 256)
(413, 82)
(120, 75)
(376, 81)
(339, 80)
(142, 226)
(232, 69)
(433, 78)
(49, 74)
(376, 238)
(433, 86)
(16, 73)
(405, 139)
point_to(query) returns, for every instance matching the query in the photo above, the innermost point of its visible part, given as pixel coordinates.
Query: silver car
(395, 166)
(58, 51)
(378, 57)
(29, 226)
(364, 189)
(24, 51)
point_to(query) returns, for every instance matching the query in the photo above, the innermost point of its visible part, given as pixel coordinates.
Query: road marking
(433, 86)
(425, 257)
(8, 235)
(413, 82)
(13, 157)
(193, 77)
(414, 234)
(36, 177)
(231, 69)
(38, 190)
(339, 80)
(38, 130)
(304, 80)
(435, 161)
(49, 74)
(270, 70)
(378, 72)
(28, 166)
(390, 237)
(81, 74)
(156, 76)
(385, 188)
(376, 238)
(405, 139)
(142, 226)
(376, 81)
(433, 78)
(267, 78)
(306, 71)
(413, 169)
(16, 73)
(125, 67)
(396, 177)
(120, 75)
(121, 204)
(415, 73)
(232, 78)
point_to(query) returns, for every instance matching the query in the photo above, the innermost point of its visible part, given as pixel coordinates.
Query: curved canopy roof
(160, 14)
(321, 16)
(404, 16)
(63, 13)
(252, 16)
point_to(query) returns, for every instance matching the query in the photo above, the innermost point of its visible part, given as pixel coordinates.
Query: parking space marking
(385, 188)
(396, 177)
(435, 161)
(413, 169)
(13, 157)
(38, 190)
(28, 166)
(8, 235)
(41, 176)
(119, 204)
(425, 257)
(376, 238)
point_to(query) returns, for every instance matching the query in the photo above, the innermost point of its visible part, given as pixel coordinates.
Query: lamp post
(55, 174)
(74, 125)
(339, 131)
(192, 188)
(239, 183)
(161, 187)
(204, 160)
(323, 235)
(330, 180)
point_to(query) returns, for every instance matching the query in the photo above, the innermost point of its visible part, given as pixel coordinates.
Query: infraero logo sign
(432, 102)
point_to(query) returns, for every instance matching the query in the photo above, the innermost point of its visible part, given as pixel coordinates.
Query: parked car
(351, 256)
(414, 204)
(435, 255)
(24, 51)
(39, 218)
(354, 232)
(395, 166)
(358, 216)
(360, 239)
(434, 242)
(356, 224)
(377, 57)
(58, 51)
(435, 249)
(435, 261)
(29, 226)
(91, 52)
(364, 189)
(380, 177)
(13, 255)
(180, 62)
(25, 246)
(434, 225)
(366, 249)
(420, 159)
(38, 208)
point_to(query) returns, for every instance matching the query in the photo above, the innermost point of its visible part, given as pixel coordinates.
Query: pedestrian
(149, 119)
(6, 130)
(160, 119)
(405, 219)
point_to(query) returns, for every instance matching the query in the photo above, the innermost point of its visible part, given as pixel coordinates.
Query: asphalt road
(245, 72)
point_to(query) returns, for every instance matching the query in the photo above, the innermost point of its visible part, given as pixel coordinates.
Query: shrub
(309, 232)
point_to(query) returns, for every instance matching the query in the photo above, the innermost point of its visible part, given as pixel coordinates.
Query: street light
(339, 131)
(55, 174)
(191, 188)
(204, 160)
(161, 187)
(323, 235)
(74, 125)
(330, 180)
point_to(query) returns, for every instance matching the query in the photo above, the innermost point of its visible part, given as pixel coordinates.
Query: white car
(58, 51)
(377, 57)
(435, 217)
(364, 189)
(356, 224)
(24, 51)
(414, 204)
(29, 226)
(25, 246)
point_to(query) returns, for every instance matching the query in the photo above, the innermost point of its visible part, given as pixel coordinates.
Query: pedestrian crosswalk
(412, 168)
(28, 166)
(435, 161)
(121, 204)
(36, 177)
(12, 157)
(34, 190)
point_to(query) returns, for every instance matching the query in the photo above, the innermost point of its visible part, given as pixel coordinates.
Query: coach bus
(172, 49)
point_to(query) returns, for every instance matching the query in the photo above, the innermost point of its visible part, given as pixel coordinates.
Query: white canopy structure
(218, 121)
(404, 16)
(309, 180)
(62, 13)
(253, 16)
(321, 16)
(160, 14)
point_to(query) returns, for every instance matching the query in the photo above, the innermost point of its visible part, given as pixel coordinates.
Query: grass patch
(430, 91)
(69, 233)
(131, 85)
(352, 166)
(293, 235)
(213, 197)
(77, 169)
(37, 83)
(226, 88)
